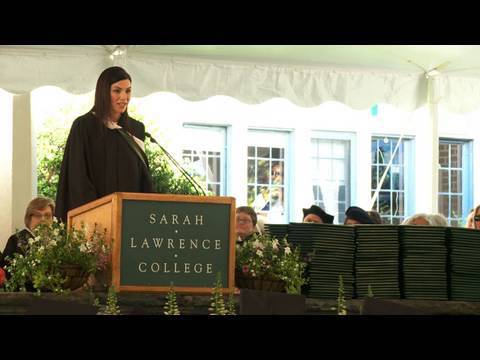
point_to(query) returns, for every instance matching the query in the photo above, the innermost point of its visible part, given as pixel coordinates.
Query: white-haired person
(437, 220)
(417, 219)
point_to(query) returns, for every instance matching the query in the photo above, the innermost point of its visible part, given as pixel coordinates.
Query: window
(266, 191)
(392, 199)
(330, 163)
(204, 154)
(454, 180)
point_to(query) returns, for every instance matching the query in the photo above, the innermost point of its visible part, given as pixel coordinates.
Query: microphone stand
(190, 179)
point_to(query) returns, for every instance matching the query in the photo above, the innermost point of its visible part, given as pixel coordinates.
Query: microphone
(190, 179)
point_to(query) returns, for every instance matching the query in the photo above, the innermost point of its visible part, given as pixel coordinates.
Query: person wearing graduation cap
(355, 215)
(316, 214)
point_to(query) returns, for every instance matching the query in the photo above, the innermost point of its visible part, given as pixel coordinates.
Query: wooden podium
(162, 240)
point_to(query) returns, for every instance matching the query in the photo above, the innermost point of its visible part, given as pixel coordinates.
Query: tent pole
(23, 159)
(433, 131)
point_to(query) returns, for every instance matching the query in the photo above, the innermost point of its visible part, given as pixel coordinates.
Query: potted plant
(266, 263)
(57, 259)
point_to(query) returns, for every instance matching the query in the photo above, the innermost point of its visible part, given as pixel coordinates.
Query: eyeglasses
(276, 173)
(42, 216)
(242, 221)
(476, 218)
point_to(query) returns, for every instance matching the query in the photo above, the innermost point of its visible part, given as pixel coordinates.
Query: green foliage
(217, 305)
(171, 306)
(263, 256)
(165, 179)
(112, 307)
(50, 149)
(231, 305)
(370, 291)
(53, 248)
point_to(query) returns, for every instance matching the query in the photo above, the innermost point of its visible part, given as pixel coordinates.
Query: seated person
(469, 222)
(316, 214)
(476, 218)
(437, 220)
(355, 215)
(375, 216)
(246, 222)
(38, 210)
(417, 219)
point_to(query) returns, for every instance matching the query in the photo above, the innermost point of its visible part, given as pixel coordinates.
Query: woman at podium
(105, 150)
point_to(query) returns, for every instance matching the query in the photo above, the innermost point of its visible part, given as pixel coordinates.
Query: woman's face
(120, 97)
(244, 225)
(475, 221)
(39, 216)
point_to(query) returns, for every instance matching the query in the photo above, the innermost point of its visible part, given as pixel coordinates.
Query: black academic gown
(16, 243)
(99, 161)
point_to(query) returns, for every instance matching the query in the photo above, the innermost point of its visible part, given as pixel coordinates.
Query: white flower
(83, 248)
(259, 253)
(258, 245)
(275, 244)
(287, 250)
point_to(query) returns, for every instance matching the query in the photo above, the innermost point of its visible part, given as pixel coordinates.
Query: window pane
(384, 152)
(374, 152)
(443, 181)
(251, 195)
(338, 149)
(456, 206)
(214, 188)
(384, 203)
(443, 205)
(263, 152)
(338, 170)
(443, 155)
(251, 171)
(277, 173)
(263, 171)
(214, 169)
(276, 197)
(374, 177)
(456, 155)
(276, 153)
(251, 151)
(398, 204)
(456, 181)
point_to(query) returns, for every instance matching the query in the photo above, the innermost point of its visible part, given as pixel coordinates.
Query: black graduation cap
(356, 213)
(314, 209)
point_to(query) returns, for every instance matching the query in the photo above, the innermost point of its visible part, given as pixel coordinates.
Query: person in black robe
(38, 210)
(315, 214)
(104, 151)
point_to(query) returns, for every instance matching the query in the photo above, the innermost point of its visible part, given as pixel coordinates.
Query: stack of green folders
(423, 254)
(376, 261)
(277, 231)
(464, 264)
(333, 248)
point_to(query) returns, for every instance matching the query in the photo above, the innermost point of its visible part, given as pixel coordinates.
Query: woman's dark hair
(102, 103)
(249, 211)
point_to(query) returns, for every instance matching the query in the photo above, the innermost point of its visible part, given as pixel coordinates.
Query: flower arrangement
(265, 257)
(50, 254)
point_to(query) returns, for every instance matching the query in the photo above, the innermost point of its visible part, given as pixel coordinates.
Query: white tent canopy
(357, 75)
